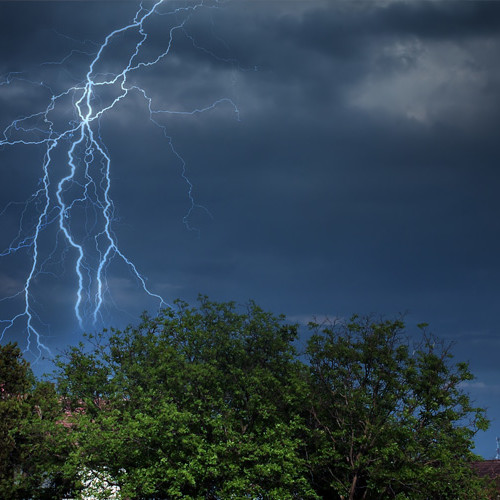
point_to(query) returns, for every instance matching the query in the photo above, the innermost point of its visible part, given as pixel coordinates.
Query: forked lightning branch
(72, 203)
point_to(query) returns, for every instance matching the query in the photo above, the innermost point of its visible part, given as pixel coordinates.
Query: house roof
(489, 468)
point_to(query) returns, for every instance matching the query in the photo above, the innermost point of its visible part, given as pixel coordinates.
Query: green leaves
(33, 446)
(196, 402)
(213, 402)
(393, 416)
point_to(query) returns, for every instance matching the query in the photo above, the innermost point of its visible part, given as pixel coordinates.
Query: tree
(389, 420)
(212, 402)
(203, 402)
(33, 446)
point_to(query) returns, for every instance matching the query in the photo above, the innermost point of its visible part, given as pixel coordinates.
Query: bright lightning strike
(76, 167)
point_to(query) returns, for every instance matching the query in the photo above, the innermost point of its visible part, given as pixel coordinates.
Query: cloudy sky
(344, 160)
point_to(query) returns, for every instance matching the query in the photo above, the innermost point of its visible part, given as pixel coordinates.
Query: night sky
(351, 165)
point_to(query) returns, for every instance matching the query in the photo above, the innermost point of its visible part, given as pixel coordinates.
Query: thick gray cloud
(362, 176)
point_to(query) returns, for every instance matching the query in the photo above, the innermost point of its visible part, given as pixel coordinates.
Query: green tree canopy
(391, 417)
(214, 402)
(201, 402)
(33, 446)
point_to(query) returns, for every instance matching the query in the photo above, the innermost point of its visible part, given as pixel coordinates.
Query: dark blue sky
(361, 177)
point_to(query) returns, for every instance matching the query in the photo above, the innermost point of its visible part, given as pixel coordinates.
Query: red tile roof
(490, 468)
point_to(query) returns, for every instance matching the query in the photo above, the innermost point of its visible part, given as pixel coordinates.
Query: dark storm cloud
(340, 29)
(440, 19)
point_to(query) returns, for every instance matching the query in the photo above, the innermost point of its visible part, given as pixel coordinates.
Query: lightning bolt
(76, 169)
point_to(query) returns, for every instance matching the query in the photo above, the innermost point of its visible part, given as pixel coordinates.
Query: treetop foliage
(215, 402)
